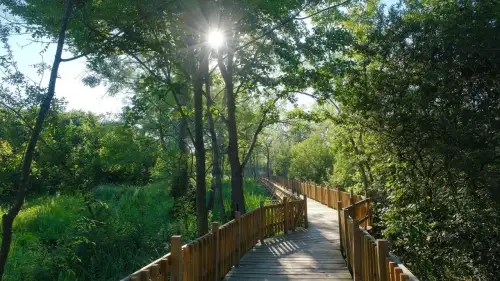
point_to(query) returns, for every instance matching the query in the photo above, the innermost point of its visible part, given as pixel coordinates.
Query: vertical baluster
(382, 254)
(176, 255)
(392, 266)
(188, 267)
(397, 273)
(215, 249)
(285, 215)
(306, 222)
(262, 222)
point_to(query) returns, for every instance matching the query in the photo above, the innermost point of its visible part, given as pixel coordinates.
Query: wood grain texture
(303, 254)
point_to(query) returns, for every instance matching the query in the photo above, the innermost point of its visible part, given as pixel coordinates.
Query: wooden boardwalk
(304, 254)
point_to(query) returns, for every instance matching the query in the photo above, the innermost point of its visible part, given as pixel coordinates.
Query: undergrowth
(101, 236)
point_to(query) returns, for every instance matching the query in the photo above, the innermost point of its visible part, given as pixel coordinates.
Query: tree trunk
(216, 167)
(211, 194)
(222, 155)
(360, 166)
(255, 167)
(8, 218)
(237, 195)
(213, 138)
(201, 210)
(181, 179)
(268, 162)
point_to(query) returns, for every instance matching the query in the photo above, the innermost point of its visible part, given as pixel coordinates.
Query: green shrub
(104, 235)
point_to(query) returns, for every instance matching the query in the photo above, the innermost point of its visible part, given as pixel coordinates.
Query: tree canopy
(406, 105)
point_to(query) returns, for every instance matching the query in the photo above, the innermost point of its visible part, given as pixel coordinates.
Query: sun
(215, 38)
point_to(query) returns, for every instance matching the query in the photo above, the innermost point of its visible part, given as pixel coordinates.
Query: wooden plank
(306, 222)
(176, 255)
(289, 275)
(216, 251)
(188, 268)
(286, 278)
(285, 215)
(165, 269)
(306, 254)
(382, 254)
(238, 239)
(292, 271)
(357, 251)
(398, 272)
(155, 272)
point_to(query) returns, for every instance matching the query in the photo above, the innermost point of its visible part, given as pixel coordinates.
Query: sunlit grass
(254, 194)
(124, 227)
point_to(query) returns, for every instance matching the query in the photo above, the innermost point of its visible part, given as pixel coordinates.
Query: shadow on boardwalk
(305, 254)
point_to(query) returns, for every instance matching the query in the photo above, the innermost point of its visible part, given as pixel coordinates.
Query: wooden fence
(367, 258)
(211, 257)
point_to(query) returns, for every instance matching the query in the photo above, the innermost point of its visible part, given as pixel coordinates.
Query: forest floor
(104, 235)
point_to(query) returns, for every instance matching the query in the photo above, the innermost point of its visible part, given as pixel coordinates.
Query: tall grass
(254, 193)
(104, 236)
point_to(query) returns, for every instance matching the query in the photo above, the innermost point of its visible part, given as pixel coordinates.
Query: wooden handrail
(358, 203)
(211, 256)
(367, 258)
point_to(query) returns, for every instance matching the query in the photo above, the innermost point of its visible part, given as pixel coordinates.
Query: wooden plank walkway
(306, 254)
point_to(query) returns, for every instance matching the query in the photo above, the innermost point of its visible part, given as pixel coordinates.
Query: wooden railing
(211, 257)
(367, 258)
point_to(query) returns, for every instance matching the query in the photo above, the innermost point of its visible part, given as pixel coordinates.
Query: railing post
(238, 238)
(285, 210)
(176, 255)
(145, 275)
(351, 197)
(347, 237)
(397, 273)
(339, 195)
(382, 253)
(309, 187)
(339, 207)
(262, 222)
(155, 271)
(392, 266)
(215, 232)
(329, 198)
(357, 250)
(370, 218)
(306, 222)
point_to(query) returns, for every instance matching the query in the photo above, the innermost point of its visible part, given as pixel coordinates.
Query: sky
(70, 86)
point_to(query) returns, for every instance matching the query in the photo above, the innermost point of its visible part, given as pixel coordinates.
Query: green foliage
(77, 151)
(414, 126)
(311, 160)
(416, 129)
(92, 238)
(254, 194)
(409, 105)
(103, 236)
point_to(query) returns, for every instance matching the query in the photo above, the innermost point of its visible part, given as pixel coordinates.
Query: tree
(423, 85)
(9, 217)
